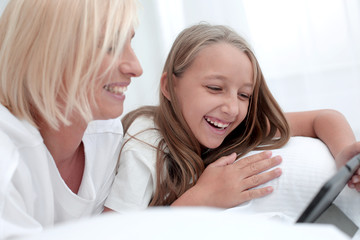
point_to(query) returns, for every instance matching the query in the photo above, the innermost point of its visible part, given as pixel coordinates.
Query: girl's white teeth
(115, 89)
(217, 124)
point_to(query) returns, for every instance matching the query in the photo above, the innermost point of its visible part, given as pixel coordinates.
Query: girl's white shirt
(33, 195)
(134, 184)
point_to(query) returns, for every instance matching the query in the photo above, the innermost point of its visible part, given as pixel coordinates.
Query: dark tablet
(328, 192)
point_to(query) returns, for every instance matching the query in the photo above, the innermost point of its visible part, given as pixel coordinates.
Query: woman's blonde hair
(51, 52)
(180, 159)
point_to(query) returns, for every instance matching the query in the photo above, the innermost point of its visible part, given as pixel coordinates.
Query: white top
(135, 181)
(32, 193)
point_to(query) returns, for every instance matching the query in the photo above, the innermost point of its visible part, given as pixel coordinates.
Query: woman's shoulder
(20, 132)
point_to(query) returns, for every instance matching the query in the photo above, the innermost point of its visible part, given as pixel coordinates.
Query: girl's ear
(164, 86)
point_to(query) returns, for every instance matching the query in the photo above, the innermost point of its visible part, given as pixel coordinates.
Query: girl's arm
(330, 126)
(333, 129)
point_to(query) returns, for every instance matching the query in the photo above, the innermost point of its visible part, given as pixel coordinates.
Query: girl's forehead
(223, 49)
(222, 52)
(223, 62)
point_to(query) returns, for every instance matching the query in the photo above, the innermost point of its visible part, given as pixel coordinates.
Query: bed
(307, 164)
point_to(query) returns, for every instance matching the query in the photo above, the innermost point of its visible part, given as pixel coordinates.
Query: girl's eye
(214, 88)
(244, 95)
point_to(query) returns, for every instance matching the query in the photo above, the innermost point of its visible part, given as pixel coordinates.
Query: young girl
(214, 102)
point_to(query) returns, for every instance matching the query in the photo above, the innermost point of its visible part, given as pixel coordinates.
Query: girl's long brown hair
(180, 160)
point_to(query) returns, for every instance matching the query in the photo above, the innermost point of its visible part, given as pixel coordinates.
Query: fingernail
(268, 153)
(278, 159)
(278, 171)
(355, 179)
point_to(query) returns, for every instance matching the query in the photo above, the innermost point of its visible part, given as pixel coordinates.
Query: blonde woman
(63, 65)
(214, 102)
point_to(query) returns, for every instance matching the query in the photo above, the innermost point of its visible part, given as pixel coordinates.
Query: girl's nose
(231, 105)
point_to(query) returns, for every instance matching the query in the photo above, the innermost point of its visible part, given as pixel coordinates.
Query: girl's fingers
(255, 193)
(357, 187)
(260, 166)
(242, 162)
(354, 182)
(258, 179)
(355, 179)
(226, 160)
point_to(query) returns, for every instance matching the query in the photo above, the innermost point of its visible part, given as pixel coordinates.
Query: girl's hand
(226, 183)
(354, 182)
(345, 155)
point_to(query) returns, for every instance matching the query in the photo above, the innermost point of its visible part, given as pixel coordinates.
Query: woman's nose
(129, 63)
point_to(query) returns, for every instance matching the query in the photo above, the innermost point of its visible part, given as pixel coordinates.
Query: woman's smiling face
(109, 95)
(214, 92)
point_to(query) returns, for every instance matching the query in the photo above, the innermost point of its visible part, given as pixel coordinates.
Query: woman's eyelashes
(111, 50)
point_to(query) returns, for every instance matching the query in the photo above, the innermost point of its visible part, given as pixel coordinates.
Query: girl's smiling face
(214, 92)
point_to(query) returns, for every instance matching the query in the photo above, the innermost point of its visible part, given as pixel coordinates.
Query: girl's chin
(210, 146)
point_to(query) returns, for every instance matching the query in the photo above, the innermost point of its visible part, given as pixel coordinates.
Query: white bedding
(186, 224)
(307, 164)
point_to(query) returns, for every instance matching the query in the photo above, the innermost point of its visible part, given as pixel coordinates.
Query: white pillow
(307, 164)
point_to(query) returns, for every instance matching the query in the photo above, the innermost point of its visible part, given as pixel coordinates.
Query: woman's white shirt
(32, 193)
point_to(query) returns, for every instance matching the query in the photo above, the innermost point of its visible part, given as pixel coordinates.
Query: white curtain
(309, 50)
